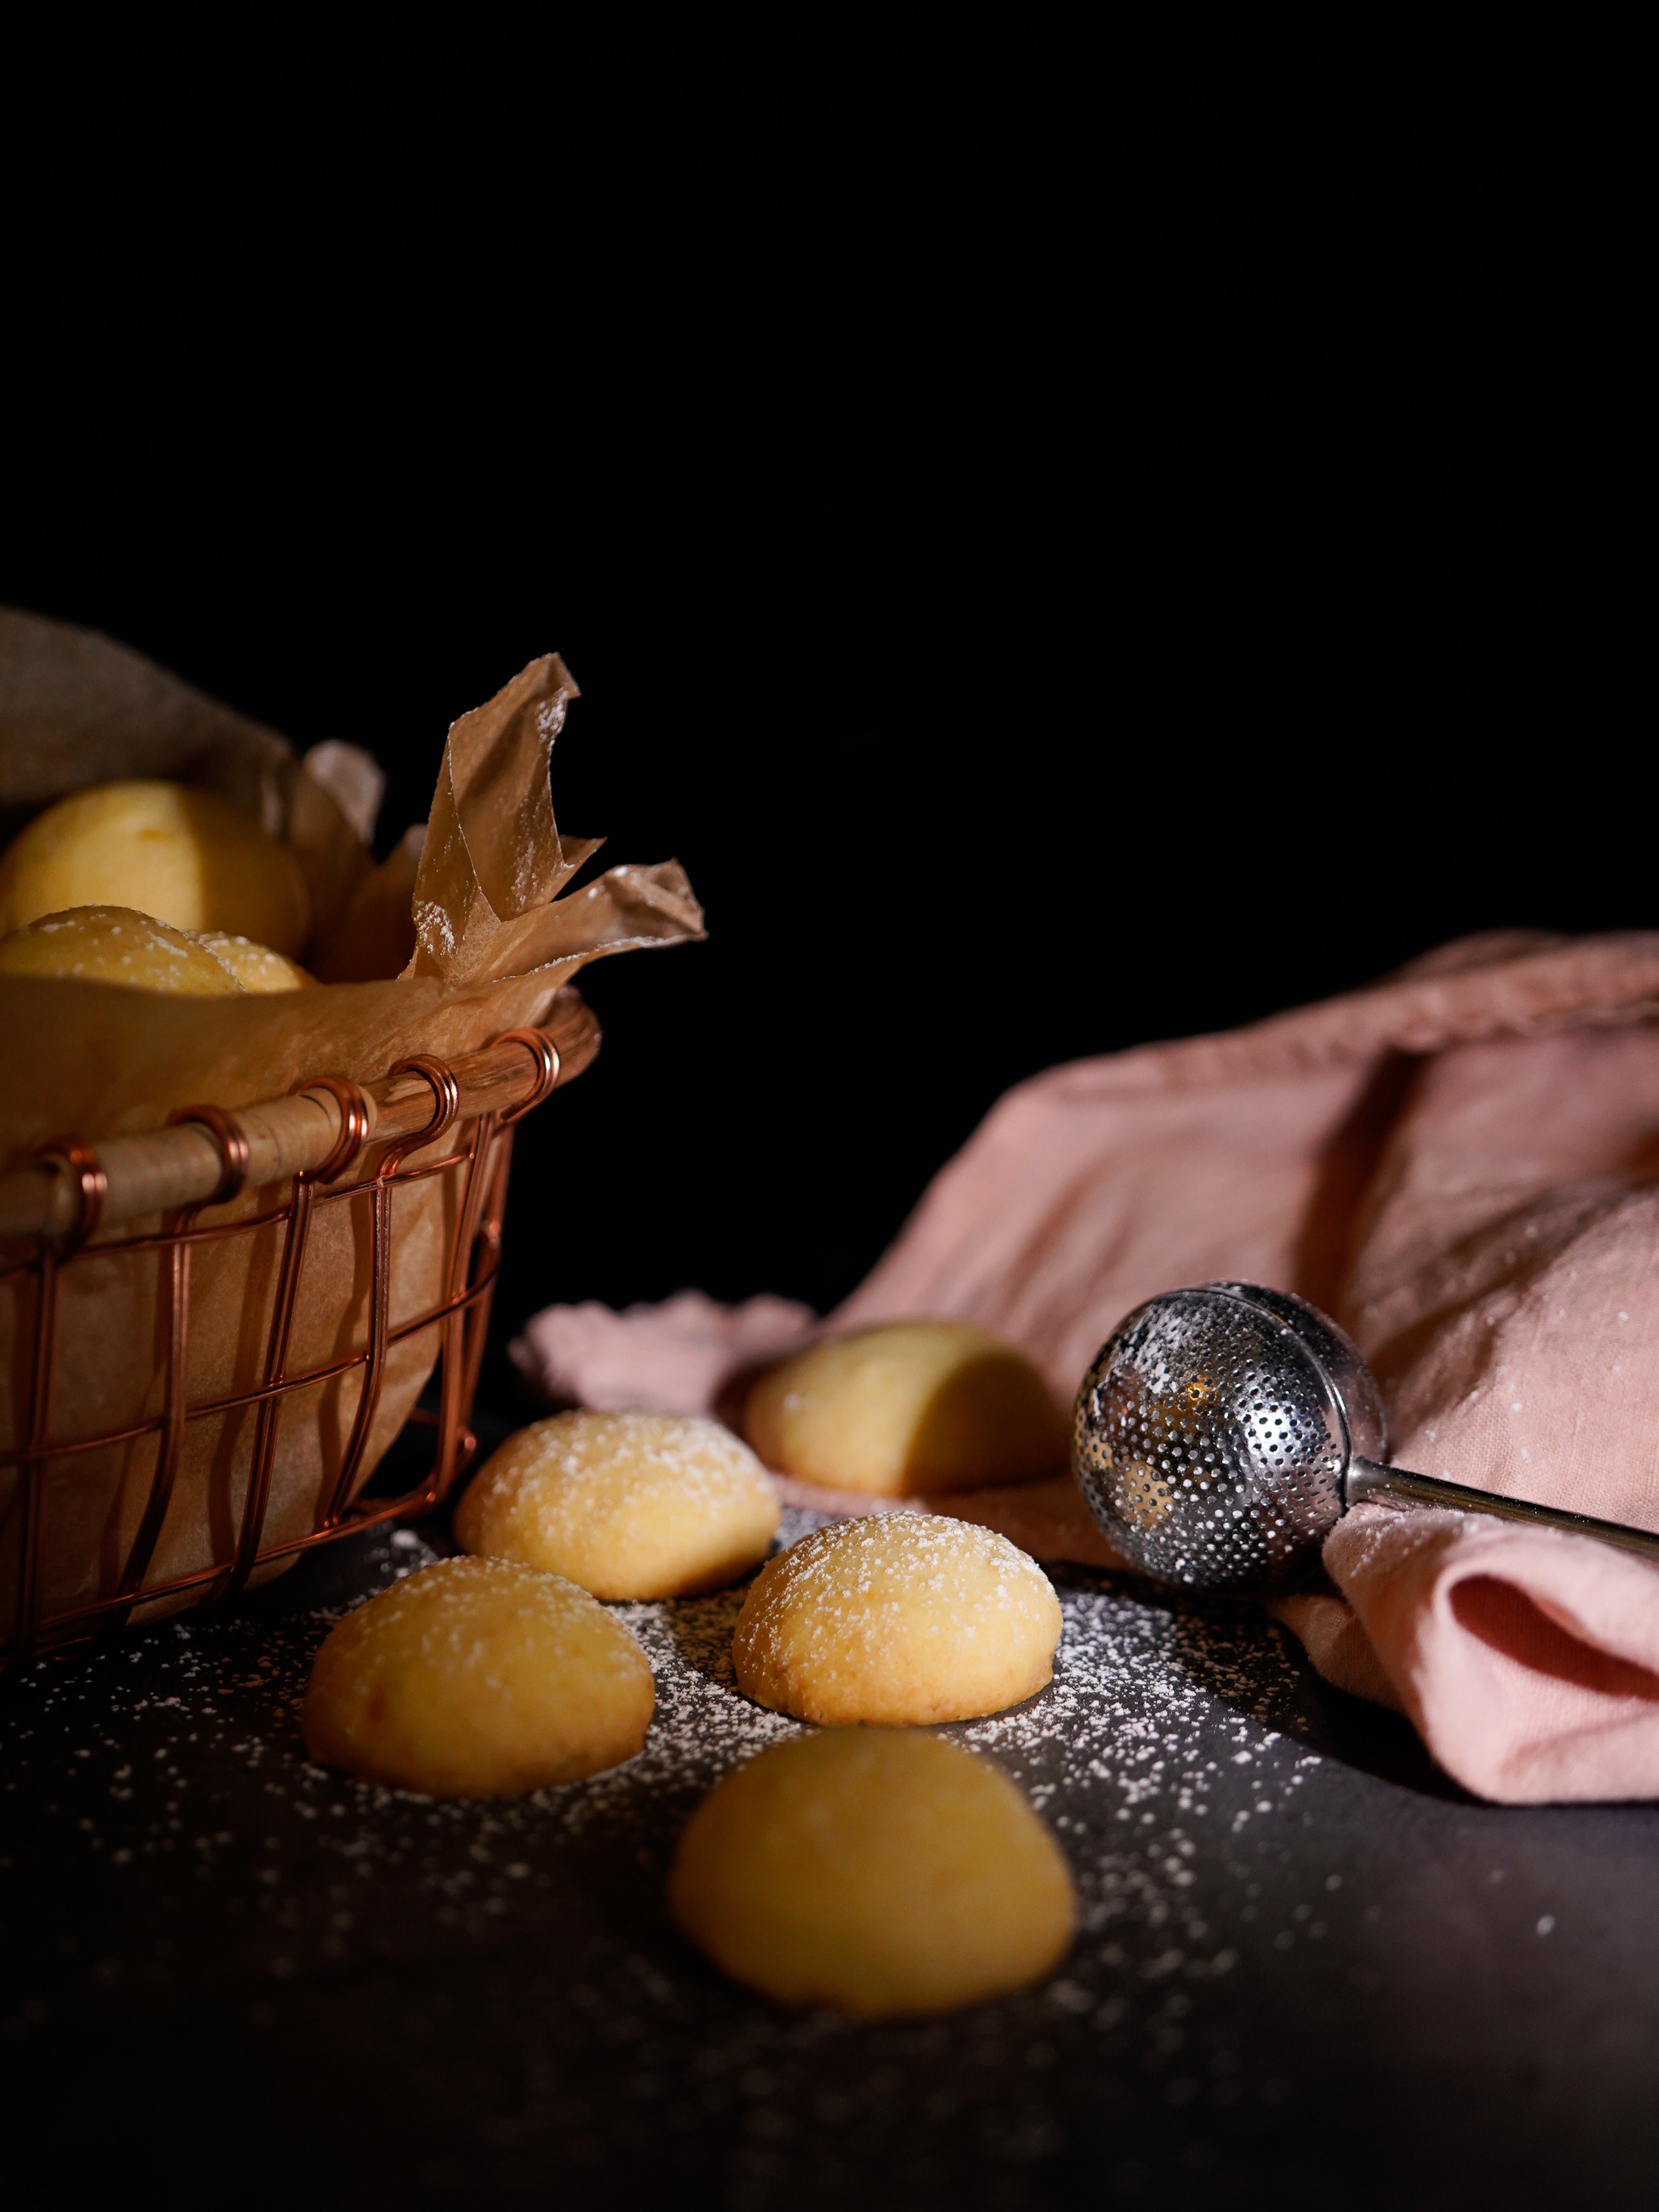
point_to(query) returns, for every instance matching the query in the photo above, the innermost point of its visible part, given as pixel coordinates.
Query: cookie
(898, 1618)
(186, 856)
(913, 1408)
(477, 1678)
(629, 1505)
(117, 945)
(876, 1872)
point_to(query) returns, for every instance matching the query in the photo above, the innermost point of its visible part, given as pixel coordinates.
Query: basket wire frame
(461, 1315)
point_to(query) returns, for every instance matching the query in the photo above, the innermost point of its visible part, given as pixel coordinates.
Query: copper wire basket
(427, 1120)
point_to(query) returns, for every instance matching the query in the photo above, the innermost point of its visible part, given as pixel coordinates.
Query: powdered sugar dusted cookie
(902, 1617)
(876, 1872)
(255, 966)
(477, 1678)
(117, 945)
(629, 1506)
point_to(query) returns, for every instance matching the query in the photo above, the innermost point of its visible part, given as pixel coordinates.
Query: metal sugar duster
(1224, 1430)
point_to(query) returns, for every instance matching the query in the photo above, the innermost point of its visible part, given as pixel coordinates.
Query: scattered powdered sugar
(166, 1841)
(1128, 1710)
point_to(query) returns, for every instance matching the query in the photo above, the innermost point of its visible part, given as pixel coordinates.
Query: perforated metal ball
(1212, 1433)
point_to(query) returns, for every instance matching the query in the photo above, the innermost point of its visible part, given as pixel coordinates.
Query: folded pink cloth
(1462, 1165)
(671, 1358)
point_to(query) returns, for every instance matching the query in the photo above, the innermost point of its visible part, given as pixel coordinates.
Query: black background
(1074, 532)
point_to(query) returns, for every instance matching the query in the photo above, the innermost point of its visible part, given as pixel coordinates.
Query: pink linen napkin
(1462, 1165)
(671, 1358)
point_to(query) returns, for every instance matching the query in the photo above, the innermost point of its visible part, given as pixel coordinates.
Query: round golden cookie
(873, 1872)
(255, 966)
(188, 857)
(477, 1678)
(900, 1617)
(912, 1407)
(629, 1505)
(115, 945)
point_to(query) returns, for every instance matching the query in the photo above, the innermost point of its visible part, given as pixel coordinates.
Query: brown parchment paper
(492, 942)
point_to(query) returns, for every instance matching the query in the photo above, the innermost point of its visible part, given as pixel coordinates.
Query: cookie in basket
(118, 944)
(255, 966)
(188, 857)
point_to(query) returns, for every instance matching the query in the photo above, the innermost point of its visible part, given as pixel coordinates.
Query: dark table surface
(1308, 1959)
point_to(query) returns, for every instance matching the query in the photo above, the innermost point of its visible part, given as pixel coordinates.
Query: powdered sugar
(159, 1791)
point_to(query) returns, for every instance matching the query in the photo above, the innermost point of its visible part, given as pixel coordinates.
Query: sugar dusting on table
(1168, 1750)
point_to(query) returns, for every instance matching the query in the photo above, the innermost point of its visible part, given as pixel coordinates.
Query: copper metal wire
(460, 1316)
